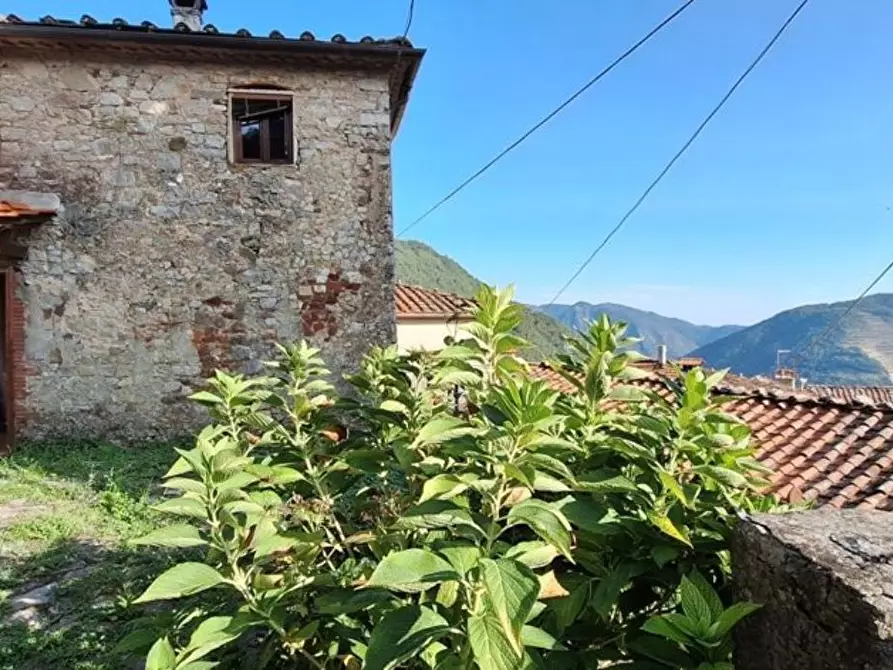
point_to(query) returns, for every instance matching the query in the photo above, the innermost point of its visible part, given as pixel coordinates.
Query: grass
(69, 513)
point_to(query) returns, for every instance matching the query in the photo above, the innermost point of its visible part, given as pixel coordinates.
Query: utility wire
(409, 16)
(449, 196)
(681, 151)
(799, 358)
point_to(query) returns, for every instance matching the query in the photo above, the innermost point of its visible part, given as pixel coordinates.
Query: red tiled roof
(883, 394)
(18, 210)
(414, 302)
(838, 452)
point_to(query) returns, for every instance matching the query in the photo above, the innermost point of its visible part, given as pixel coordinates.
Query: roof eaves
(397, 54)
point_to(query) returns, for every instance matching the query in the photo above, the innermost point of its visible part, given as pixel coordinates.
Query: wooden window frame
(235, 137)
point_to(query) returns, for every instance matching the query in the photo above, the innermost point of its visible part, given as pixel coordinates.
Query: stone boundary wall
(825, 579)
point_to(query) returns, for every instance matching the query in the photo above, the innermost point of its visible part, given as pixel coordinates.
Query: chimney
(188, 13)
(662, 354)
(786, 377)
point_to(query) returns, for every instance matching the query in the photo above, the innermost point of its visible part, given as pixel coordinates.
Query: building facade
(426, 318)
(219, 193)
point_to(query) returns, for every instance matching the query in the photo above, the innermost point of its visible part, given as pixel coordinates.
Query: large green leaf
(161, 656)
(535, 554)
(722, 475)
(705, 590)
(605, 481)
(548, 483)
(183, 507)
(237, 481)
(568, 608)
(531, 636)
(661, 650)
(186, 484)
(608, 590)
(402, 634)
(443, 487)
(440, 429)
(438, 514)
(671, 484)
(181, 580)
(699, 602)
(589, 515)
(492, 649)
(412, 571)
(727, 620)
(546, 521)
(346, 601)
(512, 589)
(662, 626)
(215, 632)
(462, 556)
(666, 525)
(178, 535)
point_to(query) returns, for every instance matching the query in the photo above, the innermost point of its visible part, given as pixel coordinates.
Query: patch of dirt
(15, 510)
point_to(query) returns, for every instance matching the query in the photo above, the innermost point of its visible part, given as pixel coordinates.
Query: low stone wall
(825, 579)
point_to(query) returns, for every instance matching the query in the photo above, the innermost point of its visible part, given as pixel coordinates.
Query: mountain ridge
(859, 351)
(856, 351)
(680, 336)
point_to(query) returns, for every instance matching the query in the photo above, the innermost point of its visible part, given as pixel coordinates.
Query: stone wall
(170, 262)
(825, 580)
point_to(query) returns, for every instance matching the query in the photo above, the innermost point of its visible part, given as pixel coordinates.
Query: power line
(409, 16)
(681, 151)
(449, 196)
(834, 324)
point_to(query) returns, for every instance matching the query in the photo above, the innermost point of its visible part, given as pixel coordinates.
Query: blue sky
(787, 198)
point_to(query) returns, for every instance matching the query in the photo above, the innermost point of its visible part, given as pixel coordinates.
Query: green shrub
(505, 527)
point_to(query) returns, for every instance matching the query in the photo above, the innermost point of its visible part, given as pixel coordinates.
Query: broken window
(262, 128)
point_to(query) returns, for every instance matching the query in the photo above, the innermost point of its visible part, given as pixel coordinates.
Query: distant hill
(419, 264)
(859, 351)
(679, 336)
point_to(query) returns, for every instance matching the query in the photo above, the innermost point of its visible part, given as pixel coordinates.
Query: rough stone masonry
(825, 580)
(169, 261)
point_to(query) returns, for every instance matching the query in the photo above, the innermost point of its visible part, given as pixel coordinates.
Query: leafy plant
(700, 632)
(406, 526)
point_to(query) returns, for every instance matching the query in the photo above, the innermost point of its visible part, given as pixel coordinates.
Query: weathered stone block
(825, 579)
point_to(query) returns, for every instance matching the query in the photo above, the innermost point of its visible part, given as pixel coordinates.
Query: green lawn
(66, 515)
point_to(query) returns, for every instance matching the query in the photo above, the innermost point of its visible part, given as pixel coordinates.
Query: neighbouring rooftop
(415, 302)
(835, 451)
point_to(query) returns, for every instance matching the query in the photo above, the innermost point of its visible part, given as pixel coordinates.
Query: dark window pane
(251, 140)
(262, 128)
(279, 149)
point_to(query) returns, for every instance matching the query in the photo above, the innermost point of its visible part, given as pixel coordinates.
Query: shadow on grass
(90, 610)
(135, 470)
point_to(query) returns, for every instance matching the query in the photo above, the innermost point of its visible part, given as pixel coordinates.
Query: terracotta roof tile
(118, 24)
(415, 302)
(874, 394)
(117, 36)
(834, 448)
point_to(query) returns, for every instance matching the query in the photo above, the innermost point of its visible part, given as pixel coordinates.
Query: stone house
(209, 194)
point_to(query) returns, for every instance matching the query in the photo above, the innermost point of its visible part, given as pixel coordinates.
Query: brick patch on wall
(317, 301)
